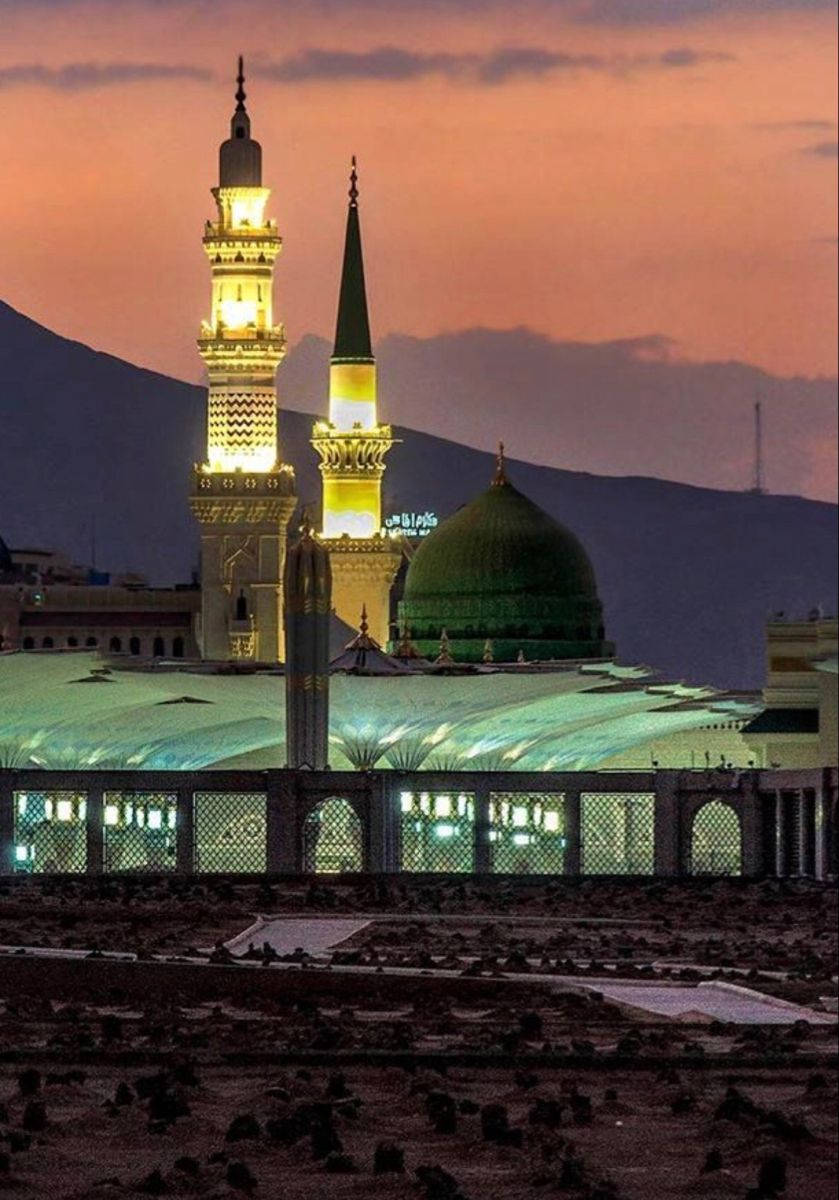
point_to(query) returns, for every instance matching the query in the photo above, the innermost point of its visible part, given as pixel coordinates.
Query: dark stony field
(321, 1079)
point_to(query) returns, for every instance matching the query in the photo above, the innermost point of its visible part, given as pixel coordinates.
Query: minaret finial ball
(500, 467)
(353, 193)
(240, 90)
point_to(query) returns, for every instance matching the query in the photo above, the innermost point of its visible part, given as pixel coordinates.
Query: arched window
(91, 641)
(332, 838)
(178, 647)
(72, 642)
(28, 643)
(158, 650)
(134, 645)
(47, 643)
(716, 841)
(115, 645)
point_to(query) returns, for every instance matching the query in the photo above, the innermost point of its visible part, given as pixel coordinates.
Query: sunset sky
(592, 169)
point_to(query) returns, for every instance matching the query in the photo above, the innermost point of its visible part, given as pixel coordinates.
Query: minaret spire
(241, 95)
(352, 330)
(352, 445)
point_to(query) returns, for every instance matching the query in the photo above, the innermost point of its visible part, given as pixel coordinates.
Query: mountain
(687, 574)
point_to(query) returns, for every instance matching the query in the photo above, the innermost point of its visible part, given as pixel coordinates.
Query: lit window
(48, 810)
(445, 831)
(406, 801)
(21, 803)
(520, 816)
(82, 809)
(64, 810)
(425, 803)
(442, 806)
(111, 814)
(21, 853)
(129, 813)
(521, 839)
(155, 820)
(173, 818)
(552, 822)
(141, 817)
(462, 805)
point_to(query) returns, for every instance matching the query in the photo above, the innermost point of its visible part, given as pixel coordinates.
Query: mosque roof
(188, 717)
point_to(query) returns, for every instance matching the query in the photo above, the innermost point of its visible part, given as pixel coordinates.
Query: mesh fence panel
(715, 844)
(230, 831)
(617, 833)
(140, 831)
(50, 831)
(437, 831)
(527, 832)
(332, 838)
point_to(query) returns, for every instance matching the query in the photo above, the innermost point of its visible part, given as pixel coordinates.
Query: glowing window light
(237, 314)
(21, 803)
(505, 814)
(493, 835)
(140, 817)
(521, 839)
(173, 818)
(346, 414)
(129, 813)
(442, 806)
(111, 814)
(520, 816)
(425, 803)
(551, 822)
(406, 802)
(462, 805)
(48, 810)
(64, 810)
(247, 211)
(355, 524)
(444, 831)
(22, 853)
(155, 819)
(537, 813)
(82, 810)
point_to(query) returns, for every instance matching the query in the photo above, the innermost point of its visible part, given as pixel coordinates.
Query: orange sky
(619, 197)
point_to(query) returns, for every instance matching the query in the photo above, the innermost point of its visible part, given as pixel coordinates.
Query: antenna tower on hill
(757, 488)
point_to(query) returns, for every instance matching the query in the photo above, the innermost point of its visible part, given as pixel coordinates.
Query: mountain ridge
(687, 573)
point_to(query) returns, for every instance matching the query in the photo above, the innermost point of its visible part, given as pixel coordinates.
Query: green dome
(502, 569)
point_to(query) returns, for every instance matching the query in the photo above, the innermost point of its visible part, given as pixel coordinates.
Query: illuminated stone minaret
(352, 446)
(243, 495)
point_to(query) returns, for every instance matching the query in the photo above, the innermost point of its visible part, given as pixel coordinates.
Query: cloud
(805, 123)
(603, 12)
(823, 150)
(671, 12)
(77, 77)
(506, 63)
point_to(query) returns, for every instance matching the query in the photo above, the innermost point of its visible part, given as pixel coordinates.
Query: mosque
(493, 659)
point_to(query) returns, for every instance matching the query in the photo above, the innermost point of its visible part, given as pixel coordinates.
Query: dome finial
(353, 192)
(500, 467)
(363, 627)
(240, 90)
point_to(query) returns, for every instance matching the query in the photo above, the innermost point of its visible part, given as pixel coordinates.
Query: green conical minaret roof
(352, 332)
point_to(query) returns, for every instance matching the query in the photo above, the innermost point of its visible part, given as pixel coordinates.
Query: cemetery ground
(454, 1045)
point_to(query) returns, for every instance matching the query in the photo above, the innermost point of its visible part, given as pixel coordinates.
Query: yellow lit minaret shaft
(352, 446)
(243, 495)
